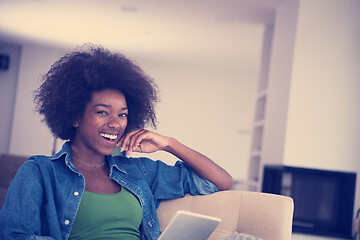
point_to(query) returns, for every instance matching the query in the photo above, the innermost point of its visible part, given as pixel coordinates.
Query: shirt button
(76, 193)
(67, 222)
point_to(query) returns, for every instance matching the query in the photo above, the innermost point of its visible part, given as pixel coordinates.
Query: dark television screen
(323, 200)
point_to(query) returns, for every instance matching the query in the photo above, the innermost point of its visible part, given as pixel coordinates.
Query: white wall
(324, 114)
(29, 136)
(206, 106)
(8, 83)
(324, 106)
(209, 108)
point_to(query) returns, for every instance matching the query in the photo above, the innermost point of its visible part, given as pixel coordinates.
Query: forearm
(200, 164)
(145, 141)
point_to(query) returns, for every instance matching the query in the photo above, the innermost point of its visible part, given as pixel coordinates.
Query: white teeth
(105, 135)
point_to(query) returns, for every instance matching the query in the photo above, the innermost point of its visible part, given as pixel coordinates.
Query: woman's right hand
(143, 141)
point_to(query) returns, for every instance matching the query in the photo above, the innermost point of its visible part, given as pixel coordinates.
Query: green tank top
(107, 216)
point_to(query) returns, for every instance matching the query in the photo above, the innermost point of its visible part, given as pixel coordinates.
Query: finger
(127, 141)
(124, 140)
(137, 138)
(136, 148)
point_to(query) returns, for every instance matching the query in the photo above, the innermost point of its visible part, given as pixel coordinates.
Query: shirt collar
(65, 150)
(114, 164)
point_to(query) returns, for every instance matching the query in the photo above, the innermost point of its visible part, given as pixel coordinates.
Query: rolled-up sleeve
(169, 182)
(203, 186)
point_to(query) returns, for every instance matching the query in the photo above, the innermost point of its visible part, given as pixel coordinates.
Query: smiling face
(103, 123)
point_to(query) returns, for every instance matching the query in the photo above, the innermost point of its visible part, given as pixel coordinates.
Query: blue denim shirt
(44, 196)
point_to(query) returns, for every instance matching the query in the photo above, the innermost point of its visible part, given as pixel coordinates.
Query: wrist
(171, 145)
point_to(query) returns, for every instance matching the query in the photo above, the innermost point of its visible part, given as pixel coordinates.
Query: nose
(114, 123)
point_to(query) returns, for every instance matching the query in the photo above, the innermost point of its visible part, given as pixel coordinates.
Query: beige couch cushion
(262, 215)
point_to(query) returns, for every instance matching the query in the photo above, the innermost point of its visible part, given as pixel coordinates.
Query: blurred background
(246, 82)
(204, 55)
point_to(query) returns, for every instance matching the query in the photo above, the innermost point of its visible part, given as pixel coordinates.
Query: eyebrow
(108, 106)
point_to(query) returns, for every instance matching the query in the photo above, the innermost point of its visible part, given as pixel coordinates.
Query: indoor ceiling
(217, 29)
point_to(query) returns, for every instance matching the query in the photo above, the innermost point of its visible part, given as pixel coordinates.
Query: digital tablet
(188, 225)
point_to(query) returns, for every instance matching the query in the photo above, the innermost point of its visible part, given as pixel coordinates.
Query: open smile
(109, 137)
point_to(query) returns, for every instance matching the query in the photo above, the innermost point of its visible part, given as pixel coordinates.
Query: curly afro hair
(68, 86)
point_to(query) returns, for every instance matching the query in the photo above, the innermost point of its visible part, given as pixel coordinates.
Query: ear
(75, 124)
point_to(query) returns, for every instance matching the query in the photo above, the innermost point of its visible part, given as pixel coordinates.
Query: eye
(123, 115)
(102, 113)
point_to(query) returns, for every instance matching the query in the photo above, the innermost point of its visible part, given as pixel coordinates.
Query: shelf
(247, 185)
(260, 108)
(259, 123)
(255, 162)
(263, 84)
(262, 93)
(257, 138)
(255, 153)
(253, 186)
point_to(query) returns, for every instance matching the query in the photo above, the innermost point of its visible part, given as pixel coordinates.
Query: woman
(98, 100)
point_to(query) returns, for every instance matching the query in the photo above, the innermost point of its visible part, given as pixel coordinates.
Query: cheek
(124, 124)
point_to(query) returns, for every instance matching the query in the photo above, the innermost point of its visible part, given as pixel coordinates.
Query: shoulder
(39, 161)
(40, 167)
(33, 165)
(28, 177)
(34, 162)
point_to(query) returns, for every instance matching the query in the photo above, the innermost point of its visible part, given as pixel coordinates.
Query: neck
(89, 165)
(87, 157)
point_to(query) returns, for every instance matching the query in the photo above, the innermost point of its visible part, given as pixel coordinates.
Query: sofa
(266, 216)
(262, 215)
